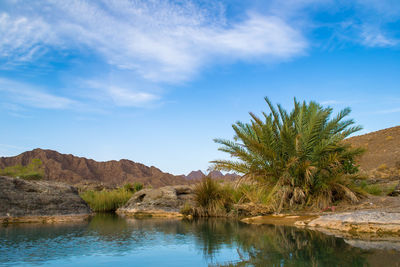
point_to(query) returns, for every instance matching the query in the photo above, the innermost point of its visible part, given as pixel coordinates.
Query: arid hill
(382, 149)
(77, 170)
(198, 175)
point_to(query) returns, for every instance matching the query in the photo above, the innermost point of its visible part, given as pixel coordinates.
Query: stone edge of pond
(45, 219)
(358, 224)
(148, 213)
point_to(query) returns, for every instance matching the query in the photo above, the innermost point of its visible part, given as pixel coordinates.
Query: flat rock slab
(161, 202)
(33, 201)
(359, 221)
(280, 219)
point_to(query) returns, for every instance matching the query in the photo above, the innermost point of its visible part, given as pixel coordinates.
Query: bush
(212, 200)
(299, 157)
(371, 189)
(32, 171)
(133, 187)
(106, 201)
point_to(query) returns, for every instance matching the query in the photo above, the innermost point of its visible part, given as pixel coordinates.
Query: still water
(108, 240)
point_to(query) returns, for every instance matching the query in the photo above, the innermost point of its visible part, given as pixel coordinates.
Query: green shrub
(371, 188)
(212, 199)
(133, 187)
(106, 201)
(32, 171)
(299, 157)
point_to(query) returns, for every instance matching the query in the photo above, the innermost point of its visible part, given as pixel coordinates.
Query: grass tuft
(109, 200)
(212, 199)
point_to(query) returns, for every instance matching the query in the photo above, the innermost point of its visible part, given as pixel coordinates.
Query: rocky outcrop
(38, 201)
(77, 170)
(359, 222)
(161, 202)
(382, 149)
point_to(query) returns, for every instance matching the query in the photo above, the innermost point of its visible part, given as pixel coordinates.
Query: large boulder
(33, 201)
(161, 202)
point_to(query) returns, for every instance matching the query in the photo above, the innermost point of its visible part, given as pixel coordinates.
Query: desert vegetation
(297, 157)
(32, 171)
(110, 200)
(211, 198)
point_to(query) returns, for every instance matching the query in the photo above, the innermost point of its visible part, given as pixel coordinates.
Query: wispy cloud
(32, 96)
(158, 40)
(377, 39)
(120, 95)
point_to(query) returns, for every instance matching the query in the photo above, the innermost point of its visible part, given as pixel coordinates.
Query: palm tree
(300, 156)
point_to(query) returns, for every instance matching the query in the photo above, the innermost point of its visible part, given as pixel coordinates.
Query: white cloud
(120, 95)
(124, 97)
(23, 38)
(33, 97)
(377, 39)
(157, 40)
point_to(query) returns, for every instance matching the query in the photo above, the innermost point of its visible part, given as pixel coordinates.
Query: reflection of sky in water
(111, 241)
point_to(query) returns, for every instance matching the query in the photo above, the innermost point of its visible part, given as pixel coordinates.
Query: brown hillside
(76, 170)
(382, 147)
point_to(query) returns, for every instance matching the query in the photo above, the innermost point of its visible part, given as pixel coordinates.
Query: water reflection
(108, 239)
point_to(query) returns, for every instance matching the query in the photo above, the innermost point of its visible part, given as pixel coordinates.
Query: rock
(396, 191)
(251, 209)
(359, 221)
(161, 202)
(281, 219)
(38, 201)
(369, 244)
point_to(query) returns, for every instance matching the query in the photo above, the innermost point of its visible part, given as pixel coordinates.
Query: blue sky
(156, 81)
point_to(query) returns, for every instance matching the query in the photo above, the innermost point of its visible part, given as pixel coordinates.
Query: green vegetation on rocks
(32, 171)
(110, 200)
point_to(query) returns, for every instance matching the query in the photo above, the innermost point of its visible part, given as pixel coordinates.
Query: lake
(109, 240)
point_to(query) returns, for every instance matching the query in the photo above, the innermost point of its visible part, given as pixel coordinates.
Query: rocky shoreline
(24, 201)
(40, 201)
(367, 224)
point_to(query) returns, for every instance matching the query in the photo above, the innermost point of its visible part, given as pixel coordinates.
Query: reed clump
(109, 200)
(211, 199)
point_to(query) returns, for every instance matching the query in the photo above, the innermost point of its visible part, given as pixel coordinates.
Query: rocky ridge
(78, 170)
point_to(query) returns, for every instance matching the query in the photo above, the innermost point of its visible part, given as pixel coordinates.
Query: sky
(156, 81)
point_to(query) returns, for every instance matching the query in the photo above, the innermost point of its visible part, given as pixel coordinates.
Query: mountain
(77, 170)
(216, 174)
(195, 175)
(382, 148)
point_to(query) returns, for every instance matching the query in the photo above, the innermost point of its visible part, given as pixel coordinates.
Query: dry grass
(382, 167)
(212, 199)
(389, 138)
